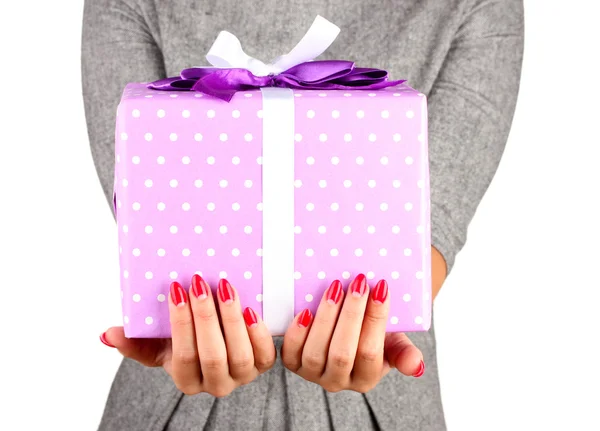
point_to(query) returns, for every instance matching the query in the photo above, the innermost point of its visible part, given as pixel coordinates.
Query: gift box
(281, 191)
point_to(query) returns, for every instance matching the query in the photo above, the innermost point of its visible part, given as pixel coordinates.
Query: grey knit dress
(465, 55)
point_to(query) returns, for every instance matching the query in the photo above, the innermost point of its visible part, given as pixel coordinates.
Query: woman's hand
(198, 357)
(346, 346)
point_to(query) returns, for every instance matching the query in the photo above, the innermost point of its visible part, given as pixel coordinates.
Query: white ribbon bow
(227, 52)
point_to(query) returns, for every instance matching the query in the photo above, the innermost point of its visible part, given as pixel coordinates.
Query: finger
(185, 364)
(342, 350)
(261, 340)
(293, 340)
(239, 349)
(403, 355)
(316, 347)
(147, 351)
(369, 355)
(209, 339)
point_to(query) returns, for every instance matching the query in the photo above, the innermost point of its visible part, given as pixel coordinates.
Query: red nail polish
(421, 370)
(225, 291)
(380, 292)
(304, 318)
(358, 287)
(199, 287)
(250, 317)
(177, 294)
(334, 293)
(104, 340)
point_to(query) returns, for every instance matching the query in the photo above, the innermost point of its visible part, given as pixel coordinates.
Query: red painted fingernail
(304, 318)
(250, 317)
(421, 370)
(225, 291)
(104, 340)
(177, 294)
(380, 292)
(199, 287)
(335, 292)
(358, 287)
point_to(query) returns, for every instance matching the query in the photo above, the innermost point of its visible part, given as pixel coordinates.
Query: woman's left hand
(345, 346)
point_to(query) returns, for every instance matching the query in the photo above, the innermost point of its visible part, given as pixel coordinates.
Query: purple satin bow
(313, 75)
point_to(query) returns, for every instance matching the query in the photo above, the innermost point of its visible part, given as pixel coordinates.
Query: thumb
(151, 352)
(403, 355)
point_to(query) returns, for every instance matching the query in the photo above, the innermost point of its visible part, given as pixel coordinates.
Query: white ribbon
(227, 52)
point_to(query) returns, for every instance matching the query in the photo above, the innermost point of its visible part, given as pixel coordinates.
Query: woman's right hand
(199, 357)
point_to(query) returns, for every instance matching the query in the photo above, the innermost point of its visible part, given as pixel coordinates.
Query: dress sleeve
(471, 106)
(117, 48)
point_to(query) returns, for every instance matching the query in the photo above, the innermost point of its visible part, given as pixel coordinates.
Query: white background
(516, 321)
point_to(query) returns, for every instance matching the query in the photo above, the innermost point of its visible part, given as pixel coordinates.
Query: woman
(464, 54)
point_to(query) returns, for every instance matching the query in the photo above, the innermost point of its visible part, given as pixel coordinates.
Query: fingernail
(380, 292)
(250, 317)
(225, 291)
(199, 287)
(335, 292)
(304, 318)
(104, 340)
(177, 294)
(358, 287)
(421, 370)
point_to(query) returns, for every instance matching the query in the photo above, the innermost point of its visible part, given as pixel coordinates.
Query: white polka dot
(396, 183)
(397, 137)
(419, 275)
(160, 113)
(345, 275)
(125, 320)
(210, 252)
(406, 297)
(322, 94)
(247, 275)
(410, 114)
(372, 94)
(384, 160)
(297, 275)
(358, 252)
(223, 183)
(382, 252)
(210, 160)
(173, 183)
(148, 183)
(125, 182)
(371, 229)
(371, 183)
(418, 320)
(394, 320)
(420, 229)
(298, 183)
(409, 160)
(149, 320)
(235, 113)
(223, 137)
(235, 160)
(372, 137)
(360, 114)
(185, 160)
(323, 137)
(259, 113)
(259, 297)
(248, 137)
(210, 113)
(334, 206)
(173, 137)
(148, 275)
(223, 229)
(347, 229)
(310, 160)
(347, 95)
(321, 275)
(359, 206)
(160, 160)
(174, 96)
(235, 206)
(235, 252)
(347, 137)
(198, 183)
(395, 229)
(322, 184)
(408, 206)
(308, 297)
(360, 160)
(420, 138)
(248, 184)
(198, 229)
(347, 183)
(259, 206)
(210, 206)
(407, 252)
(259, 252)
(259, 160)
(420, 184)
(136, 297)
(310, 206)
(385, 114)
(136, 113)
(248, 94)
(185, 113)
(297, 229)
(384, 206)
(136, 206)
(118, 204)
(125, 274)
(335, 160)
(322, 229)
(198, 137)
(118, 158)
(161, 297)
(309, 252)
(334, 252)
(395, 275)
(161, 252)
(298, 137)
(370, 275)
(135, 160)
(248, 229)
(148, 229)
(335, 114)
(310, 113)
(124, 136)
(136, 252)
(173, 229)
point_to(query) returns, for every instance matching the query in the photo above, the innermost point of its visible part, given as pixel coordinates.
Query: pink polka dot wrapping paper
(188, 198)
